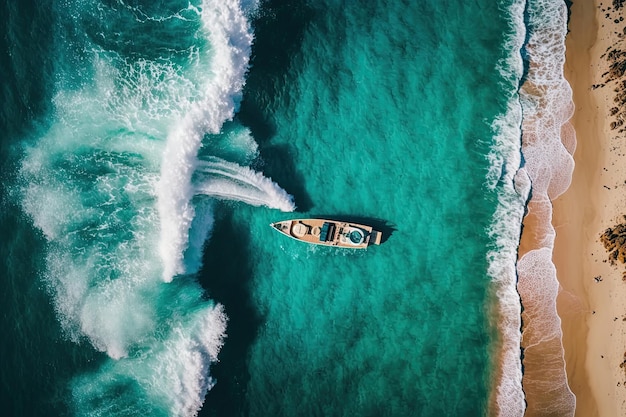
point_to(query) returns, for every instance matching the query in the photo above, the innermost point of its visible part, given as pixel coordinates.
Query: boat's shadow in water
(226, 275)
(383, 226)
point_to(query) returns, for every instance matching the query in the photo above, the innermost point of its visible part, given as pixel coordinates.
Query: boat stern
(375, 237)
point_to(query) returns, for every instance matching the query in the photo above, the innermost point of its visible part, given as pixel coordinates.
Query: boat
(329, 232)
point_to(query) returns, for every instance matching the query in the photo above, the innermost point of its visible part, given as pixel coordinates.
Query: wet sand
(592, 301)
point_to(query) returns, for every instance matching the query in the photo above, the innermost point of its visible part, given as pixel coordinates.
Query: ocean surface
(145, 146)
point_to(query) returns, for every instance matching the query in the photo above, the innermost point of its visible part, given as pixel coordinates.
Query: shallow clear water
(142, 129)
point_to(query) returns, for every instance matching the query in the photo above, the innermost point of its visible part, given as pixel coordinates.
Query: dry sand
(592, 303)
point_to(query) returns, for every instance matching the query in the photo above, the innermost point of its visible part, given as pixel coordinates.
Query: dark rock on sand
(614, 241)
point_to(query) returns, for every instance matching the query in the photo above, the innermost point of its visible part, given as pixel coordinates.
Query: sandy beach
(592, 301)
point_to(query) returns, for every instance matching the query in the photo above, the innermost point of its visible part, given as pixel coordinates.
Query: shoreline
(591, 302)
(547, 144)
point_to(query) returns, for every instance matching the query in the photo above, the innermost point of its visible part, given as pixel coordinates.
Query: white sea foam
(91, 184)
(230, 36)
(546, 99)
(542, 334)
(512, 186)
(228, 181)
(185, 359)
(505, 232)
(171, 377)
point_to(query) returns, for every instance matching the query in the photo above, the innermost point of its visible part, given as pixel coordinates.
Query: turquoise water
(145, 150)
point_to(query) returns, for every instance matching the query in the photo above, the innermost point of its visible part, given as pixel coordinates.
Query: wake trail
(228, 181)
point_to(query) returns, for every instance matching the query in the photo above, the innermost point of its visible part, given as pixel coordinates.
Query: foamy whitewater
(505, 161)
(112, 178)
(228, 32)
(549, 142)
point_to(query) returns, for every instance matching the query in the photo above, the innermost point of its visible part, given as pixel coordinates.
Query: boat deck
(330, 232)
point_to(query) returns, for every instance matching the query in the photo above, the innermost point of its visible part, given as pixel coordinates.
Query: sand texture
(590, 267)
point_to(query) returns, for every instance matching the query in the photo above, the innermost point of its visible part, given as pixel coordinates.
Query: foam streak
(230, 35)
(229, 181)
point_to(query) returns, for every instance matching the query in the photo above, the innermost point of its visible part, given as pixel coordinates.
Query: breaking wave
(110, 183)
